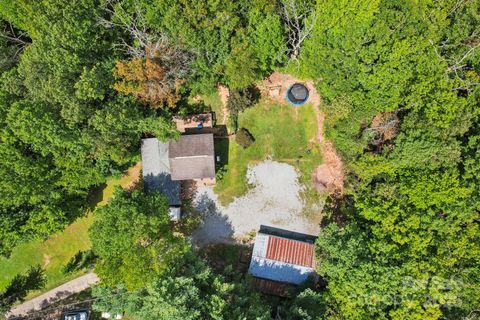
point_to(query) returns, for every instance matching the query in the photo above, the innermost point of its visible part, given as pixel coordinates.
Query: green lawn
(213, 101)
(282, 132)
(55, 252)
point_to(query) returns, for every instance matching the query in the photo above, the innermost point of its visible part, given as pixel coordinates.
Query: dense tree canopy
(134, 239)
(82, 81)
(189, 290)
(64, 129)
(409, 248)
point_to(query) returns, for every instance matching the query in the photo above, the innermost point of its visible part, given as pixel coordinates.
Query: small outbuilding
(192, 157)
(280, 261)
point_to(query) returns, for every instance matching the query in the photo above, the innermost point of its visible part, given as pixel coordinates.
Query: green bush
(240, 100)
(81, 260)
(244, 138)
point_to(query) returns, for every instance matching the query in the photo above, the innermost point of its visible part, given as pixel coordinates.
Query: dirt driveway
(274, 200)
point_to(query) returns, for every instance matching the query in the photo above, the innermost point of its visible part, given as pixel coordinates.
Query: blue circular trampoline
(297, 94)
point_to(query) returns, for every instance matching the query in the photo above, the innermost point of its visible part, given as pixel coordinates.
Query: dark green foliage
(239, 100)
(64, 129)
(410, 247)
(189, 290)
(244, 138)
(235, 42)
(19, 287)
(133, 239)
(80, 261)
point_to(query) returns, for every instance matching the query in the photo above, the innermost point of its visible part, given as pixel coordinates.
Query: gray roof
(156, 170)
(192, 157)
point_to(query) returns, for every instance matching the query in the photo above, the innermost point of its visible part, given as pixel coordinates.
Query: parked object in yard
(107, 315)
(77, 315)
(297, 94)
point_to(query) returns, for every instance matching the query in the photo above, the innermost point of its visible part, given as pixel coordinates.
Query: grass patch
(54, 253)
(283, 133)
(212, 100)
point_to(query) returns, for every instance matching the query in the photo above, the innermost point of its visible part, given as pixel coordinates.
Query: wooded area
(82, 81)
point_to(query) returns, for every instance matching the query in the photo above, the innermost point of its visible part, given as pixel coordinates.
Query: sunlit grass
(283, 133)
(56, 251)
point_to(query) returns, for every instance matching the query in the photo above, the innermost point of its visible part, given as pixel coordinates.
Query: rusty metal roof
(291, 251)
(282, 259)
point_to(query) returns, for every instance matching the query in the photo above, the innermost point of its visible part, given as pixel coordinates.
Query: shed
(282, 259)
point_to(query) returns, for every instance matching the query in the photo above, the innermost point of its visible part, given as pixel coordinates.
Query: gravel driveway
(274, 200)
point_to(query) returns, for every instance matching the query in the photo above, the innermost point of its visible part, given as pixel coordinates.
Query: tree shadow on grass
(221, 152)
(95, 196)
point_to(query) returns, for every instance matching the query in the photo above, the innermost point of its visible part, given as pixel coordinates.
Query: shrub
(244, 138)
(240, 100)
(81, 260)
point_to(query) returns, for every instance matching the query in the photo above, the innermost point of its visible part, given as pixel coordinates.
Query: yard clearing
(274, 200)
(55, 252)
(282, 133)
(328, 176)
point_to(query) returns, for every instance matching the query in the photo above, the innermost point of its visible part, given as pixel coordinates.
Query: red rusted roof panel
(291, 251)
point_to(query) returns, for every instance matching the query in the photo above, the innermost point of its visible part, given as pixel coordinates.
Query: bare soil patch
(46, 260)
(224, 93)
(134, 174)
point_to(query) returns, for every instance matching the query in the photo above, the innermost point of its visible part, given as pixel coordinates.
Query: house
(281, 260)
(192, 157)
(167, 164)
(157, 176)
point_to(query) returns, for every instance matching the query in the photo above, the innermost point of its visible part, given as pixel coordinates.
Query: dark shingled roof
(192, 157)
(156, 170)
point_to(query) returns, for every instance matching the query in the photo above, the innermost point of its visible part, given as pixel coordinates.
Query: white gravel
(274, 200)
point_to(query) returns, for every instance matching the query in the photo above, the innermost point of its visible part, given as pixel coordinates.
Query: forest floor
(55, 252)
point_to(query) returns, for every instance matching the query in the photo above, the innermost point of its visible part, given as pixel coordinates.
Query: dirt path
(61, 292)
(224, 93)
(329, 176)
